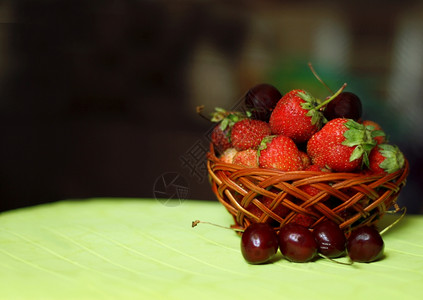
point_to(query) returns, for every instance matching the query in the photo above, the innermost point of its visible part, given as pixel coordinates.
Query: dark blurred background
(98, 98)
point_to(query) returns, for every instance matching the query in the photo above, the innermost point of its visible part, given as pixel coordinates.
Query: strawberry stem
(324, 103)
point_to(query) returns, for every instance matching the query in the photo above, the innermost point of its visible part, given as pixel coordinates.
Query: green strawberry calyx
(394, 158)
(362, 138)
(314, 105)
(264, 142)
(226, 118)
(310, 105)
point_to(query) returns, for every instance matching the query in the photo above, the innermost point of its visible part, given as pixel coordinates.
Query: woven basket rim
(229, 180)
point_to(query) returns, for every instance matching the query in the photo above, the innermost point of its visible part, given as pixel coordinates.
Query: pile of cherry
(260, 243)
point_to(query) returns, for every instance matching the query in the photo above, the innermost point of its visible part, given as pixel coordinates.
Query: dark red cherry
(345, 105)
(261, 99)
(365, 245)
(297, 243)
(331, 241)
(259, 243)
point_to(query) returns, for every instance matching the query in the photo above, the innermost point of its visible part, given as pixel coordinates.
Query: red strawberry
(305, 159)
(291, 119)
(248, 133)
(228, 155)
(297, 115)
(316, 168)
(279, 152)
(220, 136)
(246, 158)
(311, 190)
(377, 131)
(385, 159)
(341, 145)
(304, 220)
(280, 209)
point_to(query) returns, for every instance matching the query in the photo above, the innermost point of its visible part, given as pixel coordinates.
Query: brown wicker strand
(349, 199)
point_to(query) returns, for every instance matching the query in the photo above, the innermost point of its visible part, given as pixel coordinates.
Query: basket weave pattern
(349, 199)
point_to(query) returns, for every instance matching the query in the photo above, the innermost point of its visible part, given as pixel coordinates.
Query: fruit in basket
(221, 134)
(345, 105)
(228, 155)
(246, 158)
(309, 189)
(261, 99)
(297, 243)
(220, 138)
(385, 159)
(365, 244)
(280, 210)
(303, 219)
(279, 152)
(298, 115)
(291, 119)
(341, 145)
(330, 239)
(259, 243)
(316, 168)
(372, 125)
(305, 159)
(248, 133)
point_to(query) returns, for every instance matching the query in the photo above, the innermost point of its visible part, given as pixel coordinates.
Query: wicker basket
(349, 199)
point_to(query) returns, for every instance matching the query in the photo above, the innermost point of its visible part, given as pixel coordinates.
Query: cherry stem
(318, 77)
(324, 103)
(404, 210)
(196, 222)
(335, 261)
(199, 110)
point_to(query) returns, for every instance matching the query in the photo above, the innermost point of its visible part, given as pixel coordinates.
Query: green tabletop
(147, 249)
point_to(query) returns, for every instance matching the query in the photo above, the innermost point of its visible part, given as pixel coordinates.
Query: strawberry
(291, 119)
(312, 191)
(316, 168)
(220, 136)
(297, 115)
(309, 189)
(279, 152)
(228, 155)
(372, 125)
(248, 133)
(280, 209)
(246, 158)
(304, 220)
(385, 159)
(341, 145)
(305, 159)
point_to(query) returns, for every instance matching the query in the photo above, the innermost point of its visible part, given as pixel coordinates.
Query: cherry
(297, 243)
(365, 244)
(330, 239)
(259, 243)
(345, 105)
(261, 99)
